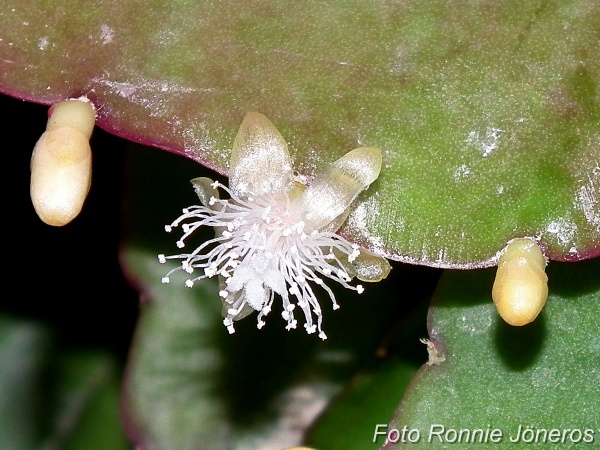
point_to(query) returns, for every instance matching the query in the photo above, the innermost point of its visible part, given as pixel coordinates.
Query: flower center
(262, 247)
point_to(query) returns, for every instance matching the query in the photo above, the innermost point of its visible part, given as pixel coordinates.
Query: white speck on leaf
(544, 377)
(462, 172)
(589, 200)
(563, 229)
(568, 319)
(124, 89)
(43, 43)
(197, 140)
(486, 142)
(148, 93)
(144, 87)
(106, 34)
(474, 322)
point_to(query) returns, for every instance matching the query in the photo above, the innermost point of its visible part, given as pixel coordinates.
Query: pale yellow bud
(61, 163)
(521, 286)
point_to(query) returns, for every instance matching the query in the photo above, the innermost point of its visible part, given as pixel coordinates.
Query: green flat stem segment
(487, 113)
(541, 377)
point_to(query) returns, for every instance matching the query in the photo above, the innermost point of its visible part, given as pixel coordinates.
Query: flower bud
(61, 163)
(521, 286)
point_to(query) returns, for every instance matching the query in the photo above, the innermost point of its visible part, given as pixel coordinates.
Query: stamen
(259, 252)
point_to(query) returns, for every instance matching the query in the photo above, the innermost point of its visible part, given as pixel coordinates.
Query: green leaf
(67, 401)
(23, 358)
(87, 414)
(487, 113)
(350, 423)
(496, 377)
(373, 394)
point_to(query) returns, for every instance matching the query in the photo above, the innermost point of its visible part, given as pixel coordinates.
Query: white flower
(274, 235)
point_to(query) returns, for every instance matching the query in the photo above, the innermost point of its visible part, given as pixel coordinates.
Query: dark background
(67, 277)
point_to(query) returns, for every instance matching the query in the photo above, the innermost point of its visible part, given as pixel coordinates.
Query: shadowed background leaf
(544, 375)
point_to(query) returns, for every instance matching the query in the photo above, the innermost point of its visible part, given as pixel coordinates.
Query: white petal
(337, 222)
(260, 160)
(334, 190)
(204, 190)
(256, 294)
(240, 278)
(233, 299)
(275, 281)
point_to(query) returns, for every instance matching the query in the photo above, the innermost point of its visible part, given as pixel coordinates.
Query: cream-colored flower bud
(61, 163)
(521, 286)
